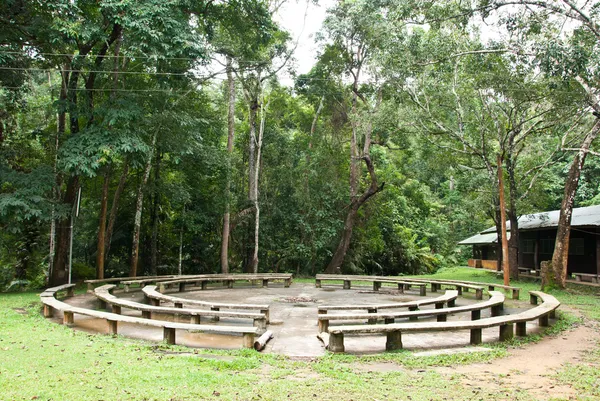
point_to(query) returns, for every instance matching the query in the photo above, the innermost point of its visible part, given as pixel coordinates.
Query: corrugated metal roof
(480, 239)
(582, 216)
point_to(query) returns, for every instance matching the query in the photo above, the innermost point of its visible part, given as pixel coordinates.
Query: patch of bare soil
(531, 368)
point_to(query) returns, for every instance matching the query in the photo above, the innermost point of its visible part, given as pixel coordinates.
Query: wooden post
(204, 285)
(116, 309)
(503, 224)
(423, 291)
(154, 301)
(146, 314)
(401, 288)
(479, 293)
(317, 283)
(265, 282)
(195, 319)
(442, 318)
(376, 285)
(515, 293)
(182, 286)
(347, 284)
(476, 314)
(178, 304)
(543, 321)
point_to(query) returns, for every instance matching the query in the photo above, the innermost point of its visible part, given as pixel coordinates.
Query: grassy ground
(42, 360)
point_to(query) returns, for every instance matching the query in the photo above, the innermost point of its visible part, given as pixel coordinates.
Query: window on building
(547, 246)
(528, 246)
(576, 246)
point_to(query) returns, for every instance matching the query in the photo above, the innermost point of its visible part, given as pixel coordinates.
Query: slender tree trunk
(249, 268)
(505, 267)
(340, 253)
(60, 131)
(102, 227)
(137, 225)
(560, 257)
(255, 195)
(114, 208)
(179, 267)
(63, 234)
(154, 219)
(230, 138)
(513, 243)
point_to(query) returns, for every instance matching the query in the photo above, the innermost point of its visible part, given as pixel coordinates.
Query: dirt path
(531, 368)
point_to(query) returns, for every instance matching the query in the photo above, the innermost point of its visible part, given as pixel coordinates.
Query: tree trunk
(560, 257)
(513, 243)
(63, 234)
(261, 132)
(340, 253)
(102, 227)
(505, 267)
(154, 218)
(137, 225)
(230, 138)
(114, 208)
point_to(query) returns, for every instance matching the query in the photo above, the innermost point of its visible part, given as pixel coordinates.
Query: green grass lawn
(43, 360)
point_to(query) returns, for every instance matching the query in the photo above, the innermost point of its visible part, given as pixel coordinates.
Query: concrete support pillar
(112, 326)
(476, 336)
(169, 335)
(507, 332)
(521, 329)
(336, 342)
(394, 341)
(68, 318)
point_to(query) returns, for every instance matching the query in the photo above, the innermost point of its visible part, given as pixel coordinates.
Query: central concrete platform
(293, 314)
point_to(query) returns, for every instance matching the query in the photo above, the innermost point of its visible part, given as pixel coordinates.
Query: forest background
(376, 161)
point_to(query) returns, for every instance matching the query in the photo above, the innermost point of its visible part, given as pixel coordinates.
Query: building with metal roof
(537, 234)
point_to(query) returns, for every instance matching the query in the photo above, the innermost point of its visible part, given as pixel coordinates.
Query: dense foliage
(406, 100)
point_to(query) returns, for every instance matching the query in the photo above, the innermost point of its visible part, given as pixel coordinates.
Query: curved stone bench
(169, 328)
(227, 279)
(118, 280)
(376, 280)
(505, 323)
(459, 285)
(103, 293)
(491, 286)
(495, 303)
(156, 297)
(448, 298)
